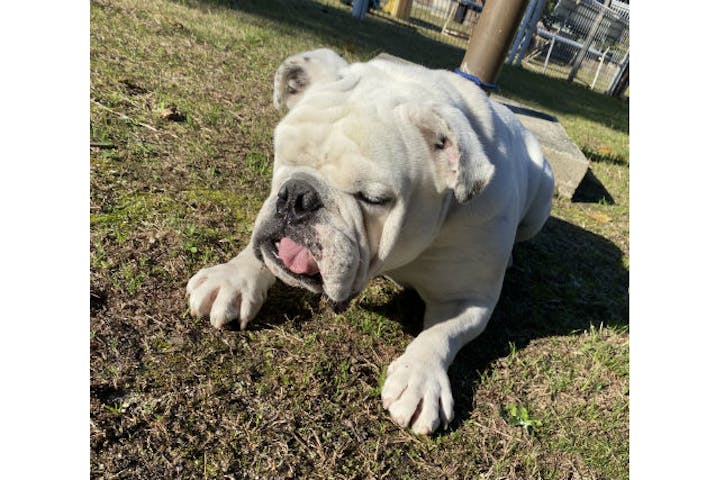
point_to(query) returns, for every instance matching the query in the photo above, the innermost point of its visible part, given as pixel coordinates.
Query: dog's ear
(298, 72)
(458, 158)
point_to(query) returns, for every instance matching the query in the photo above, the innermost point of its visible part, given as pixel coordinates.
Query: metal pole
(620, 71)
(599, 68)
(622, 81)
(531, 28)
(554, 39)
(359, 8)
(549, 54)
(491, 39)
(521, 32)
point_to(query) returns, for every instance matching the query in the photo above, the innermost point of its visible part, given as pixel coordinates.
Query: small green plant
(519, 416)
(115, 409)
(189, 244)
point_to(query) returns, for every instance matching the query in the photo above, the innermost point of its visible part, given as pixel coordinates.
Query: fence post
(400, 8)
(588, 42)
(491, 39)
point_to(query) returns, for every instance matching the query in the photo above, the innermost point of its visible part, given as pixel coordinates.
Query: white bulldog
(386, 168)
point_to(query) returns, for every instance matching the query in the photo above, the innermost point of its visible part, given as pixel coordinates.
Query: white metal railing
(549, 41)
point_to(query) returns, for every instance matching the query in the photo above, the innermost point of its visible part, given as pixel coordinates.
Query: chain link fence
(584, 40)
(581, 40)
(447, 21)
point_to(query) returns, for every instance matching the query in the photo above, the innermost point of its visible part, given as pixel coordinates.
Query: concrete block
(568, 162)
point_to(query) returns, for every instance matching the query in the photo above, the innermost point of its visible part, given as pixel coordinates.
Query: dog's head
(365, 170)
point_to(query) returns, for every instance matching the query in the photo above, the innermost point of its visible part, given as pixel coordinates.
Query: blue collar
(476, 80)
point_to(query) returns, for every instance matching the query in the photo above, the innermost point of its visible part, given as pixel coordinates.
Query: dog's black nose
(297, 200)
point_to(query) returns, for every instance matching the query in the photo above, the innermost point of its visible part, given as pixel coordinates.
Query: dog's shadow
(288, 305)
(562, 281)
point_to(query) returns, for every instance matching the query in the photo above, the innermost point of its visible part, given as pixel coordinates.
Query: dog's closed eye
(294, 86)
(372, 200)
(441, 142)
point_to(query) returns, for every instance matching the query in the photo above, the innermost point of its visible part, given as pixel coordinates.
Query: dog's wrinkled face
(362, 179)
(331, 200)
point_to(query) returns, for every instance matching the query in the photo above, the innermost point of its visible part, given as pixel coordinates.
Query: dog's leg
(417, 391)
(233, 290)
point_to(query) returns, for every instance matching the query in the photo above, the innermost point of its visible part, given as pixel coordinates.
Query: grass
(585, 74)
(543, 393)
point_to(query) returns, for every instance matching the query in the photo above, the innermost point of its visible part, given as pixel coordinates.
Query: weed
(519, 416)
(115, 409)
(189, 243)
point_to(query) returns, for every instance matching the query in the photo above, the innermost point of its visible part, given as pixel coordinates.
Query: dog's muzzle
(287, 239)
(297, 201)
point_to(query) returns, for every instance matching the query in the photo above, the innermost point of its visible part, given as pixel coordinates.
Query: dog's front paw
(417, 393)
(229, 291)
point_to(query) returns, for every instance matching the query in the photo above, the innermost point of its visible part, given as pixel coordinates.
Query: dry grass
(297, 396)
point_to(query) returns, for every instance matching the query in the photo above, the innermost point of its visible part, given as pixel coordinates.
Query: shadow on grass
(604, 156)
(591, 190)
(560, 96)
(423, 24)
(335, 28)
(289, 305)
(562, 282)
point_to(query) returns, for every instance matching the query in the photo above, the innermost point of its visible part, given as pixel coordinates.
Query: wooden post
(400, 8)
(491, 39)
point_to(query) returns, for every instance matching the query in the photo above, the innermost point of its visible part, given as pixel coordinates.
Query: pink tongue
(297, 258)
